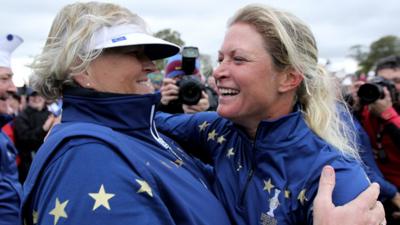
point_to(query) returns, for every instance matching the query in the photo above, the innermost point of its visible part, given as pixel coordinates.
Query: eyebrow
(7, 74)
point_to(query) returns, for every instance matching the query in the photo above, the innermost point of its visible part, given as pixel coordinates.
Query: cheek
(3, 107)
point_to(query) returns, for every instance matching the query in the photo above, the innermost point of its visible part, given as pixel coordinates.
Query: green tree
(384, 46)
(171, 36)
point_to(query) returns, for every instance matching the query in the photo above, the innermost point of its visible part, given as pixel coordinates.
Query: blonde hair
(291, 44)
(65, 52)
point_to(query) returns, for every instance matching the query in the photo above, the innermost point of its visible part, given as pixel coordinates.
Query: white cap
(8, 43)
(130, 35)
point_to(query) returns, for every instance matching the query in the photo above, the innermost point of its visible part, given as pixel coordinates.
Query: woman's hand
(201, 106)
(169, 91)
(363, 210)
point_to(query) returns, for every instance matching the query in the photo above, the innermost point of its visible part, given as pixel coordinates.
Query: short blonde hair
(291, 44)
(65, 52)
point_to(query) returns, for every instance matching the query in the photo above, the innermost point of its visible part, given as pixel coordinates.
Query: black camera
(373, 90)
(190, 86)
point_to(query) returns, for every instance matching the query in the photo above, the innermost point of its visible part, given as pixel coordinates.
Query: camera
(190, 86)
(373, 90)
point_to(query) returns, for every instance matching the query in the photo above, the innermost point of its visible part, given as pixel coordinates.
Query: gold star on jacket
(59, 211)
(101, 198)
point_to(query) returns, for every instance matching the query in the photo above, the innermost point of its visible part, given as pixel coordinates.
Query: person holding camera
(183, 89)
(379, 115)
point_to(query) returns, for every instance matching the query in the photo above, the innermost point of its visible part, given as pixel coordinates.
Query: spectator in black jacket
(31, 126)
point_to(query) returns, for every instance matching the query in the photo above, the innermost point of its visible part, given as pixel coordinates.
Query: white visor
(131, 34)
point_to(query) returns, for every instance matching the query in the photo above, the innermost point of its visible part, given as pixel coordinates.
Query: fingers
(169, 91)
(167, 81)
(377, 214)
(204, 95)
(368, 198)
(326, 186)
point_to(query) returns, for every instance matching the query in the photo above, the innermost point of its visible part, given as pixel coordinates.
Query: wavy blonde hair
(291, 44)
(65, 52)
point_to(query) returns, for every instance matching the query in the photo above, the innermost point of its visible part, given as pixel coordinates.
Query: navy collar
(121, 112)
(4, 119)
(281, 131)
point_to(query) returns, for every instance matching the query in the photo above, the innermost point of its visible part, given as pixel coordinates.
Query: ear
(290, 80)
(81, 78)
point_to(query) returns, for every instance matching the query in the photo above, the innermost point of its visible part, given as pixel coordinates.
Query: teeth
(227, 91)
(145, 82)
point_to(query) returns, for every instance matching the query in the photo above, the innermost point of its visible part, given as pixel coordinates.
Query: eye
(239, 59)
(219, 60)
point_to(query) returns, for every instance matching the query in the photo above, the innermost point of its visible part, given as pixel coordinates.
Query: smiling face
(118, 71)
(250, 88)
(6, 86)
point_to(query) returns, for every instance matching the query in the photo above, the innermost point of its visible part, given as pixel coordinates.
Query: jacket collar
(282, 131)
(121, 112)
(4, 119)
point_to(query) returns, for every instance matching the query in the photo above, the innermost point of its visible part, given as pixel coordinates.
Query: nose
(148, 65)
(11, 87)
(220, 72)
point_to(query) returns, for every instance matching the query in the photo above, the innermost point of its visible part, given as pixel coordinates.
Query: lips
(228, 91)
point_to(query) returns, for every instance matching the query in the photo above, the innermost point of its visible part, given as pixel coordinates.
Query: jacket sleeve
(89, 183)
(351, 180)
(189, 130)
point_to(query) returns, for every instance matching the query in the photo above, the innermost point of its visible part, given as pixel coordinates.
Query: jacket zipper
(249, 177)
(250, 174)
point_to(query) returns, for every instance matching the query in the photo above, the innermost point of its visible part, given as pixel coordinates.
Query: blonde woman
(277, 124)
(106, 163)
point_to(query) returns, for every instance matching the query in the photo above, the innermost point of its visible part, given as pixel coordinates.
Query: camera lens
(369, 93)
(190, 91)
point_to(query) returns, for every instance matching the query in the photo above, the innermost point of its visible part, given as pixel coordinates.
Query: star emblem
(59, 210)
(230, 153)
(101, 198)
(212, 135)
(302, 196)
(203, 125)
(144, 187)
(178, 162)
(287, 193)
(221, 139)
(35, 217)
(268, 185)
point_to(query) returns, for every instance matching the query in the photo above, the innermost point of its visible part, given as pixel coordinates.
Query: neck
(281, 108)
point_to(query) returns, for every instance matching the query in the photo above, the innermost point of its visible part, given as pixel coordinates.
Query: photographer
(379, 115)
(183, 89)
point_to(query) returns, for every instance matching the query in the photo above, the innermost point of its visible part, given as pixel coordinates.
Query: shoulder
(87, 174)
(351, 178)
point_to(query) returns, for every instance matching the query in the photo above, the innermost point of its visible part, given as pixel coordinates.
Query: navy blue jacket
(107, 164)
(10, 188)
(274, 178)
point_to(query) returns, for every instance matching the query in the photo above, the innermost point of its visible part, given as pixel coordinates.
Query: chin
(225, 112)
